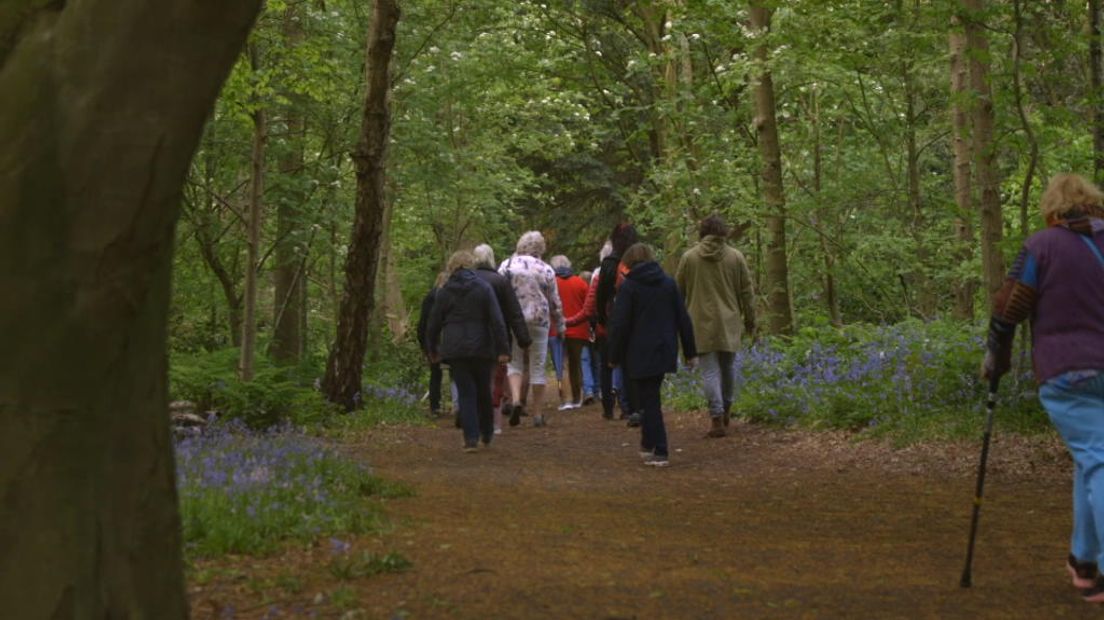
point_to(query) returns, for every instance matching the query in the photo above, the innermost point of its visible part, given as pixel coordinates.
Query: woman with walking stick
(1058, 282)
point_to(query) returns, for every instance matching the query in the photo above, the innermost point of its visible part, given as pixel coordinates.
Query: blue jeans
(1077, 410)
(718, 373)
(556, 348)
(590, 371)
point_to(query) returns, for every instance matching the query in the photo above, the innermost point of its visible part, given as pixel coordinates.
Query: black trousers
(473, 384)
(653, 433)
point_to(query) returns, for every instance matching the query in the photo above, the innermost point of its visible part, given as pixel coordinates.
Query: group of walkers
(618, 330)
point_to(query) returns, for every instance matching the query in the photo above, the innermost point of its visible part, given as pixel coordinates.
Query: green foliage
(910, 381)
(346, 566)
(242, 492)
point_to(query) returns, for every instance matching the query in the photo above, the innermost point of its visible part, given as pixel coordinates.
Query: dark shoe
(718, 429)
(1083, 574)
(487, 440)
(1094, 594)
(456, 420)
(471, 445)
(656, 460)
(634, 420)
(727, 411)
(607, 415)
(515, 415)
(589, 400)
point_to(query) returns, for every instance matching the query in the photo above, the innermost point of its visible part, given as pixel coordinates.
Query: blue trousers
(590, 371)
(1077, 409)
(556, 348)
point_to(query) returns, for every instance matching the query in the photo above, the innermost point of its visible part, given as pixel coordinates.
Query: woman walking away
(1058, 282)
(535, 286)
(589, 315)
(648, 321)
(573, 292)
(511, 312)
(435, 372)
(466, 331)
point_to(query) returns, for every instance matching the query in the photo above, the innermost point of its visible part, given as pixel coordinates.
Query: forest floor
(565, 522)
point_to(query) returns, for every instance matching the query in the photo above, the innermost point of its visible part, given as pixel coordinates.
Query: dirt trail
(565, 522)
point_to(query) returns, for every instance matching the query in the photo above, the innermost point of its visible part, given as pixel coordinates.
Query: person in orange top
(573, 293)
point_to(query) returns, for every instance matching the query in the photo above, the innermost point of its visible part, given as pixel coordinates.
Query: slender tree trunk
(831, 298)
(963, 183)
(1025, 123)
(984, 148)
(1096, 98)
(289, 306)
(342, 383)
(777, 270)
(256, 196)
(103, 105)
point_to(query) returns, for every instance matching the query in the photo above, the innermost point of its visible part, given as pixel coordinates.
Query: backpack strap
(1095, 250)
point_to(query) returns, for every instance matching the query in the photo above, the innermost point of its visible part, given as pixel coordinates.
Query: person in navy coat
(649, 319)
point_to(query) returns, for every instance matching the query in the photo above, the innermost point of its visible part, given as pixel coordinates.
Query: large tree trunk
(342, 382)
(103, 104)
(289, 305)
(984, 148)
(777, 271)
(256, 196)
(1096, 98)
(960, 122)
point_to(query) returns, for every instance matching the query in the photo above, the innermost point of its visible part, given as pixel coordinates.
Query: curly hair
(460, 260)
(1066, 193)
(531, 243)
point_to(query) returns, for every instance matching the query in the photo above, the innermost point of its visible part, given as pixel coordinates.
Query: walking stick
(990, 405)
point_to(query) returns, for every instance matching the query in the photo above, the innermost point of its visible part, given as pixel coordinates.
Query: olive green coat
(716, 284)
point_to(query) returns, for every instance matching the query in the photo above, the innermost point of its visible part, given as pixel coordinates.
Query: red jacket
(573, 295)
(589, 311)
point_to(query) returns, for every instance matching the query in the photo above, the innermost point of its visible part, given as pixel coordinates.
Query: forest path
(565, 522)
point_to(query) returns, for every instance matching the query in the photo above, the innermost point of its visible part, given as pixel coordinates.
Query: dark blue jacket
(465, 321)
(649, 318)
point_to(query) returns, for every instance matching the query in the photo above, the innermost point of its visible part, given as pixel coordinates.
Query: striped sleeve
(1013, 304)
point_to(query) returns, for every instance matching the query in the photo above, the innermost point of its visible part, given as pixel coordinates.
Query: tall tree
(289, 305)
(342, 382)
(984, 146)
(962, 171)
(1096, 97)
(103, 105)
(770, 150)
(253, 233)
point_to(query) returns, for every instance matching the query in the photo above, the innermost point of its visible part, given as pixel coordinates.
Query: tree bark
(1096, 98)
(103, 105)
(342, 383)
(777, 270)
(289, 307)
(252, 262)
(963, 183)
(984, 148)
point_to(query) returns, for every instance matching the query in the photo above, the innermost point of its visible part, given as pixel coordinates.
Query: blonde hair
(1069, 192)
(531, 243)
(462, 259)
(484, 256)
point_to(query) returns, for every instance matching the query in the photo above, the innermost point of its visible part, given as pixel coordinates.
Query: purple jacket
(1058, 282)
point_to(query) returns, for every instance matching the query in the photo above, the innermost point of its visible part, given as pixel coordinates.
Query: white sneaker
(497, 431)
(577, 405)
(566, 406)
(656, 461)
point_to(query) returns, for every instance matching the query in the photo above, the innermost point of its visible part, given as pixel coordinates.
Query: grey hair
(484, 256)
(531, 243)
(560, 261)
(607, 249)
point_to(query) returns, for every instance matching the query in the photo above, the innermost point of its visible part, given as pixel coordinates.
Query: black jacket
(508, 304)
(465, 321)
(423, 318)
(648, 320)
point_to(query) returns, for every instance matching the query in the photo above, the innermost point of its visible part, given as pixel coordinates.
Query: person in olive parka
(467, 332)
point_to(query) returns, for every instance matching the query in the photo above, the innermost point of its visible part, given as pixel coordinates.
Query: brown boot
(718, 429)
